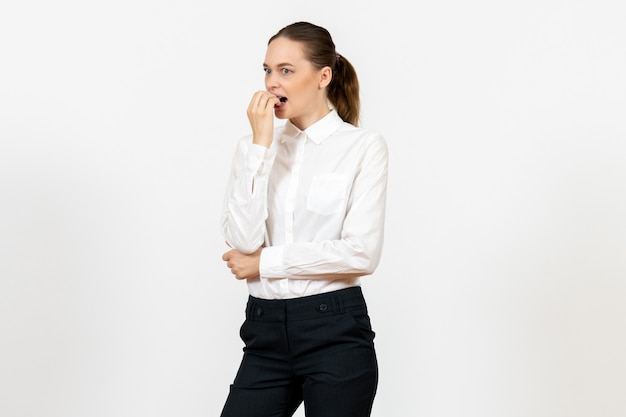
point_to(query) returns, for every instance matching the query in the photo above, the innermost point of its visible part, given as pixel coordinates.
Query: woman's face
(299, 85)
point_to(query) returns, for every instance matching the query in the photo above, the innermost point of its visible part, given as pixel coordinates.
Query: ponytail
(343, 91)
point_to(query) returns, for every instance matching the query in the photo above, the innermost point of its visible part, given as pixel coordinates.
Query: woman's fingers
(242, 266)
(262, 103)
(261, 117)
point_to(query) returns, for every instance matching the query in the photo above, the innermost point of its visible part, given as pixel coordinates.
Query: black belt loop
(254, 311)
(338, 305)
(249, 308)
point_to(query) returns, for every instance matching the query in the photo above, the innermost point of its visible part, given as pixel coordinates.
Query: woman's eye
(285, 71)
(267, 70)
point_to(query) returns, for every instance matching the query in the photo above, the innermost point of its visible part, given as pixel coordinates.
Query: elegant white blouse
(315, 200)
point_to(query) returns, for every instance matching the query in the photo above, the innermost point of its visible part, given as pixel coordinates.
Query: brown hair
(319, 49)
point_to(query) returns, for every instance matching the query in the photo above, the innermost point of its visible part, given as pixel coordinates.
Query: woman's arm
(245, 204)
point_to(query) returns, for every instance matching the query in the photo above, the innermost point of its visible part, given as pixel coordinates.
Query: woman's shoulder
(361, 133)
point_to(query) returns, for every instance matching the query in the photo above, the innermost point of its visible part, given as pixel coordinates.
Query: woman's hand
(241, 265)
(261, 117)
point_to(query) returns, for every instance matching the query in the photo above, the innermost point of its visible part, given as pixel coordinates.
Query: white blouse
(315, 200)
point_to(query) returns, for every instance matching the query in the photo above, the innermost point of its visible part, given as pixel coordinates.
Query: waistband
(308, 307)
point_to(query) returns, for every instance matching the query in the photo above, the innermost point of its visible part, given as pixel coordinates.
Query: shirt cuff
(259, 159)
(271, 263)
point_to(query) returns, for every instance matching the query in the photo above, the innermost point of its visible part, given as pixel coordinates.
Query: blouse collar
(317, 132)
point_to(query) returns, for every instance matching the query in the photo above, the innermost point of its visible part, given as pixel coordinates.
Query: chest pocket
(327, 194)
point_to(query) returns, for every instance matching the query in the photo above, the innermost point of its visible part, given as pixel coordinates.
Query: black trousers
(317, 349)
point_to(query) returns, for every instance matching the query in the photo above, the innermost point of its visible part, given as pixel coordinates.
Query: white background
(502, 289)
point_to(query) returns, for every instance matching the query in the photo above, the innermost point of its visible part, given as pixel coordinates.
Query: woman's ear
(326, 75)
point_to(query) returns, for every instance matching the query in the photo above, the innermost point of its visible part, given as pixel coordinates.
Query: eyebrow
(282, 64)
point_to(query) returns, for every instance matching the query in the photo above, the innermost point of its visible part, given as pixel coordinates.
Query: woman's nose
(271, 80)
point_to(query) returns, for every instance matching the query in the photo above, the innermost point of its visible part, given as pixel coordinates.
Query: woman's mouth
(283, 100)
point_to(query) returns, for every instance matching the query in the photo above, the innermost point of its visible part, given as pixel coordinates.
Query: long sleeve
(245, 203)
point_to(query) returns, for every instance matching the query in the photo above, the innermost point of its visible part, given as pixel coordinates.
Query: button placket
(293, 190)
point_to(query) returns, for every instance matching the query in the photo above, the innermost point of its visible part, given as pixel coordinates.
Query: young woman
(304, 215)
